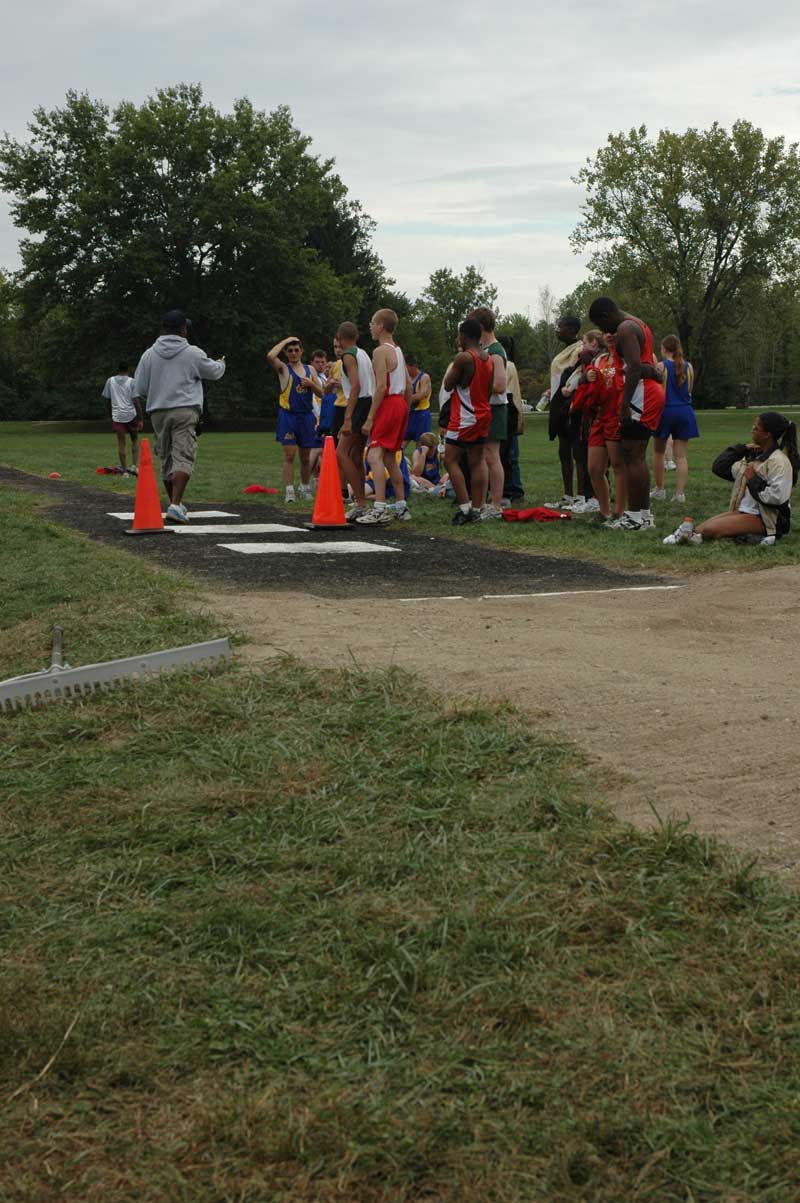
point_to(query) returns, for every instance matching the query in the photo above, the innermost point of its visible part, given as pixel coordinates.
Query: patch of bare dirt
(686, 699)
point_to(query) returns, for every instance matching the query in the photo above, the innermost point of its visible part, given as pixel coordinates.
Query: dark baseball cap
(174, 321)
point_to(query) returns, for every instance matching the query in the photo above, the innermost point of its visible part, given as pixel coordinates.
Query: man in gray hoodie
(169, 377)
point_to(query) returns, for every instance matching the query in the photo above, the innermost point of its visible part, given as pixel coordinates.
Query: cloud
(458, 131)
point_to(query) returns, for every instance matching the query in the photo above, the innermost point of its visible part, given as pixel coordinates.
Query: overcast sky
(457, 126)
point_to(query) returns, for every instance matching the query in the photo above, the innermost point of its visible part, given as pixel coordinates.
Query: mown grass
(314, 936)
(110, 605)
(229, 462)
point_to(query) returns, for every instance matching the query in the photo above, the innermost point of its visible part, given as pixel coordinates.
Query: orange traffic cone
(147, 511)
(329, 507)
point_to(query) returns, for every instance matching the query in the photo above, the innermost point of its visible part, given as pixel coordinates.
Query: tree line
(126, 213)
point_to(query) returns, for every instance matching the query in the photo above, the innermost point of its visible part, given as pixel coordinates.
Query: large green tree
(230, 216)
(692, 220)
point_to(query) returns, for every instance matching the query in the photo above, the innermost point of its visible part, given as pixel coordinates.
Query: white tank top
(366, 376)
(397, 378)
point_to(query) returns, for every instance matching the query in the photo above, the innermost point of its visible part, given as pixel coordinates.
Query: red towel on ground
(258, 489)
(539, 513)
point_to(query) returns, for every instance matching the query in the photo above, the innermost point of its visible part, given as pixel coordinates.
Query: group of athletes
(618, 396)
(375, 407)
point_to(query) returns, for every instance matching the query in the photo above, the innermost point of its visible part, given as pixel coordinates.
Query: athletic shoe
(489, 512)
(678, 497)
(670, 465)
(133, 471)
(767, 541)
(304, 492)
(125, 475)
(566, 503)
(462, 519)
(612, 523)
(416, 487)
(289, 495)
(682, 534)
(403, 515)
(375, 517)
(628, 523)
(177, 513)
(355, 512)
(649, 523)
(659, 495)
(592, 506)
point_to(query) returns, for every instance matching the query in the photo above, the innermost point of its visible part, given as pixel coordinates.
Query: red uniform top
(470, 412)
(647, 401)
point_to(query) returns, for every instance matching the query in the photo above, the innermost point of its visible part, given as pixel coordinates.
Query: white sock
(466, 507)
(401, 505)
(636, 515)
(646, 515)
(380, 505)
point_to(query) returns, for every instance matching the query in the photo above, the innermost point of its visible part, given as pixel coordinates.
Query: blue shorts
(678, 421)
(419, 423)
(296, 430)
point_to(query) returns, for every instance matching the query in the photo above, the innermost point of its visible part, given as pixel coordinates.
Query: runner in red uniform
(472, 378)
(604, 445)
(640, 406)
(386, 421)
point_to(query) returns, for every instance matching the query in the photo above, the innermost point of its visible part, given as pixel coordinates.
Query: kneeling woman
(764, 473)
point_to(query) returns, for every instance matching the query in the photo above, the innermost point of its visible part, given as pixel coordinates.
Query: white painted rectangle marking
(306, 549)
(192, 514)
(244, 528)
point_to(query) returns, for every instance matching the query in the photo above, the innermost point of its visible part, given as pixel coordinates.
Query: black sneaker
(462, 519)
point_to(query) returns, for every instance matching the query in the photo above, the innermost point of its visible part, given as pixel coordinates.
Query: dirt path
(690, 695)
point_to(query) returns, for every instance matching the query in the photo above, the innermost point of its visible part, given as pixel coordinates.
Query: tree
(448, 298)
(692, 219)
(173, 203)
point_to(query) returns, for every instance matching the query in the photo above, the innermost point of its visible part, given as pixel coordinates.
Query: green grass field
(229, 462)
(312, 936)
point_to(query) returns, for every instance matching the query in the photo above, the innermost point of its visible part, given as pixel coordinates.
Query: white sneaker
(767, 541)
(489, 512)
(649, 523)
(670, 465)
(612, 523)
(289, 494)
(304, 492)
(402, 515)
(629, 524)
(592, 506)
(375, 517)
(682, 534)
(177, 513)
(658, 495)
(678, 497)
(566, 503)
(355, 512)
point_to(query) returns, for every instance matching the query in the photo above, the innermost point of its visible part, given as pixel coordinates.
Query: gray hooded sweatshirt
(170, 373)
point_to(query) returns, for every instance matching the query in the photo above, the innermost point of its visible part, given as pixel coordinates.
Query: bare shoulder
(629, 327)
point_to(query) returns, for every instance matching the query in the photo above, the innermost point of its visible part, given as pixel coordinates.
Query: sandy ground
(686, 701)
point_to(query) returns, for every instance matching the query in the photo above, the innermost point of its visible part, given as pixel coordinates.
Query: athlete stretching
(296, 420)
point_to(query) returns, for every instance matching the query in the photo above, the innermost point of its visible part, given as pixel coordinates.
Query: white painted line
(299, 549)
(578, 592)
(192, 514)
(550, 593)
(244, 528)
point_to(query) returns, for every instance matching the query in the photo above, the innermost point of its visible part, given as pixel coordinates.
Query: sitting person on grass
(764, 473)
(426, 471)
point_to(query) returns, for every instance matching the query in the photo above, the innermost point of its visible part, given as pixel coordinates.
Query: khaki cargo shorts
(176, 439)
